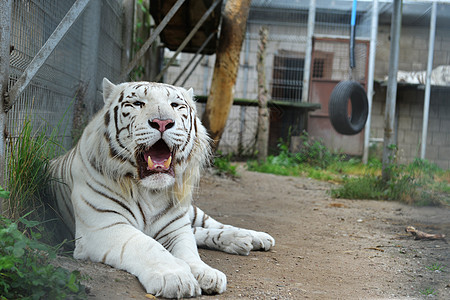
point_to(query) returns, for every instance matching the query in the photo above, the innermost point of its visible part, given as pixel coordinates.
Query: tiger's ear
(108, 88)
(190, 92)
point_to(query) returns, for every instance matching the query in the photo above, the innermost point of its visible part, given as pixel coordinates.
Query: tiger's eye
(139, 103)
(174, 104)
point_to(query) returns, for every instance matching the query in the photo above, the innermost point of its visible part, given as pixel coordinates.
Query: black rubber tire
(338, 107)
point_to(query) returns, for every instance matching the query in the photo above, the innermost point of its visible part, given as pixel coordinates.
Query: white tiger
(125, 192)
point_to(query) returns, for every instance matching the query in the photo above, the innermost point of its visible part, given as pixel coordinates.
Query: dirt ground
(325, 248)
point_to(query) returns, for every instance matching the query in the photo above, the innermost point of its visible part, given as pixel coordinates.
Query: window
(287, 78)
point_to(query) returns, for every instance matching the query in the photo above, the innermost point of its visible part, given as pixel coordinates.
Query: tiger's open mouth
(155, 159)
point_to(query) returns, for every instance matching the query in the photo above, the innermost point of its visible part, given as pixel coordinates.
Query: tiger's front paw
(261, 240)
(211, 281)
(171, 280)
(236, 241)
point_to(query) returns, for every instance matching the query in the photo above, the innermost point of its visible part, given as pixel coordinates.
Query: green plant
(28, 169)
(428, 292)
(365, 187)
(314, 152)
(435, 267)
(222, 165)
(25, 269)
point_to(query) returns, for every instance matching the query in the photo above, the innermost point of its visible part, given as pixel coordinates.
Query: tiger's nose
(161, 125)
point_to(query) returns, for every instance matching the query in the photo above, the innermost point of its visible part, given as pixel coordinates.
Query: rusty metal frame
(187, 39)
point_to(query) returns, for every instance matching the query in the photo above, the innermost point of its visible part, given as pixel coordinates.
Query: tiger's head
(154, 130)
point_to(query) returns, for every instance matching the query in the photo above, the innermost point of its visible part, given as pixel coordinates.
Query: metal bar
(127, 30)
(41, 57)
(309, 48)
(89, 52)
(150, 40)
(243, 109)
(195, 56)
(5, 40)
(187, 39)
(426, 104)
(391, 94)
(193, 69)
(205, 76)
(352, 35)
(372, 55)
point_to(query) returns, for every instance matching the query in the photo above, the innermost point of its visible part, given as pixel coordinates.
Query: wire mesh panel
(49, 98)
(52, 90)
(331, 60)
(110, 42)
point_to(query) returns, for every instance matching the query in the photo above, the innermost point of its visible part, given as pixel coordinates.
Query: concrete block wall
(413, 49)
(409, 118)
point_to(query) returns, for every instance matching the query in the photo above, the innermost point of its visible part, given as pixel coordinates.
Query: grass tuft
(28, 174)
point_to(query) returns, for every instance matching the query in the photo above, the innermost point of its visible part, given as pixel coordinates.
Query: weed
(25, 269)
(435, 267)
(428, 292)
(223, 166)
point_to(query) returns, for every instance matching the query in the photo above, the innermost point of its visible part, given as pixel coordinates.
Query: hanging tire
(343, 121)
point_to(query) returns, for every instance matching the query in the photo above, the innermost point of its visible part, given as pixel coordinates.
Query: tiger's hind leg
(212, 234)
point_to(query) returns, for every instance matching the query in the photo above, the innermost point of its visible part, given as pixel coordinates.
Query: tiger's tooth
(167, 162)
(150, 163)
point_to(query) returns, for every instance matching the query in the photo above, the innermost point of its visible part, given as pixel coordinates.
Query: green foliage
(25, 269)
(365, 187)
(314, 152)
(222, 165)
(414, 183)
(4, 194)
(28, 173)
(312, 160)
(419, 183)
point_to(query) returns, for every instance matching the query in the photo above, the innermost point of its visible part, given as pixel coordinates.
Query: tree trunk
(225, 69)
(262, 134)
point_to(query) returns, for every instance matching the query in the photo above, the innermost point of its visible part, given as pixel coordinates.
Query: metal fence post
(308, 54)
(391, 94)
(89, 52)
(5, 37)
(372, 55)
(127, 31)
(426, 103)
